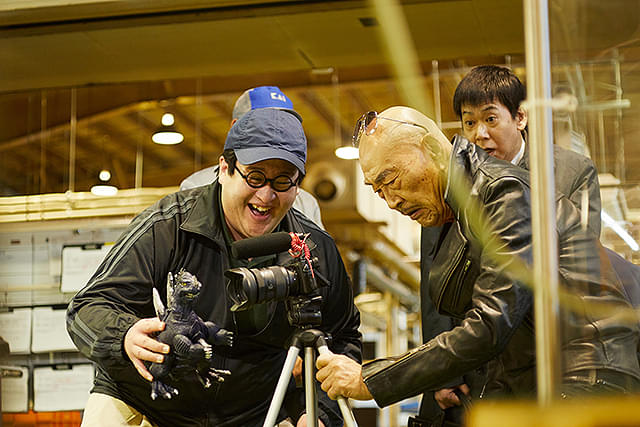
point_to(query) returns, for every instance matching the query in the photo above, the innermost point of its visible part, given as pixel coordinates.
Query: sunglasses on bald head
(368, 122)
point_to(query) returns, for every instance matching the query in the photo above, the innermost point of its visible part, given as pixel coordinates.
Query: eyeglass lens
(366, 124)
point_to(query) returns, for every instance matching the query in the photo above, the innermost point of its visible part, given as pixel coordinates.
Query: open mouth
(412, 212)
(415, 213)
(259, 210)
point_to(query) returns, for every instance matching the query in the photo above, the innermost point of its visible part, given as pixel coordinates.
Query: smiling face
(252, 212)
(405, 173)
(492, 127)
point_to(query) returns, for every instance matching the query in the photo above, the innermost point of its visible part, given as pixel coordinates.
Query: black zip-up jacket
(495, 309)
(185, 230)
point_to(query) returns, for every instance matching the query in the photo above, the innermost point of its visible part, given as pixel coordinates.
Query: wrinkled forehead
(381, 156)
(372, 149)
(374, 172)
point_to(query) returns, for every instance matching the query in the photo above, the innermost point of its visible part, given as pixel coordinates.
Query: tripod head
(304, 311)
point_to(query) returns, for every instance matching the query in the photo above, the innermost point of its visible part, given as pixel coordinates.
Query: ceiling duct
(377, 277)
(332, 183)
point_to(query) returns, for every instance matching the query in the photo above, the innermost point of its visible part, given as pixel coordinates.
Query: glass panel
(595, 53)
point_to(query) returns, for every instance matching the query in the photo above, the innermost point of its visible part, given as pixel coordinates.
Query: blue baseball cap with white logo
(261, 97)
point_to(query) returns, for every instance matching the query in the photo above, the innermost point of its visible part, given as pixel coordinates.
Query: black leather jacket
(495, 310)
(575, 174)
(184, 230)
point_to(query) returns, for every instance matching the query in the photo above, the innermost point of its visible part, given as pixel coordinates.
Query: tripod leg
(347, 415)
(311, 399)
(281, 388)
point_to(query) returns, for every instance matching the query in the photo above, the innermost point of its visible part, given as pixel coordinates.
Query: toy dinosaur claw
(225, 337)
(208, 349)
(218, 374)
(160, 389)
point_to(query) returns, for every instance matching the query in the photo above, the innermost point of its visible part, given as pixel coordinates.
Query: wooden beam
(214, 139)
(127, 143)
(328, 114)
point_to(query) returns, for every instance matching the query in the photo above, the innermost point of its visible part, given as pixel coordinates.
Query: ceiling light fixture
(167, 134)
(104, 188)
(347, 152)
(343, 151)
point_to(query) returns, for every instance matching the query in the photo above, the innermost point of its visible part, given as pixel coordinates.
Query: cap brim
(290, 111)
(249, 156)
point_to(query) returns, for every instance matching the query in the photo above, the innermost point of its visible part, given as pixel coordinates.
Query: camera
(296, 281)
(251, 286)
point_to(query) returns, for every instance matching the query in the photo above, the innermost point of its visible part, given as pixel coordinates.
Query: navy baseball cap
(261, 97)
(268, 133)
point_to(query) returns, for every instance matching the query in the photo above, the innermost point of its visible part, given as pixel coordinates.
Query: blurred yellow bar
(620, 411)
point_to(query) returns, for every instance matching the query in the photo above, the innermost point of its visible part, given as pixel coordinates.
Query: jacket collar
(204, 218)
(465, 161)
(524, 161)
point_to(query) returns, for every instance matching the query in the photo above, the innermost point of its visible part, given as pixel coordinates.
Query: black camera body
(296, 282)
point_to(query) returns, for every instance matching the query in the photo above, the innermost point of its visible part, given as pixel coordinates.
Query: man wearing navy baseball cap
(112, 319)
(252, 99)
(266, 142)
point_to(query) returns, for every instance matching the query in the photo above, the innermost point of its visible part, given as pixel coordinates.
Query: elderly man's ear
(436, 145)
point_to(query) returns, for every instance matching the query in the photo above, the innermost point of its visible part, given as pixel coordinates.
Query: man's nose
(482, 132)
(266, 193)
(394, 202)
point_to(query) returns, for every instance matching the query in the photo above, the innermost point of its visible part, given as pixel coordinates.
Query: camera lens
(254, 286)
(242, 288)
(273, 283)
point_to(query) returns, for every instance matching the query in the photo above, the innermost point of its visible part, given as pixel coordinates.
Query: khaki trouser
(106, 411)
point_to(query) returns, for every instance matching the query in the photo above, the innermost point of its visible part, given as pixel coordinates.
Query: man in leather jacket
(488, 103)
(478, 274)
(112, 319)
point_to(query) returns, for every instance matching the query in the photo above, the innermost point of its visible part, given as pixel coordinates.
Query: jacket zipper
(402, 359)
(458, 287)
(456, 261)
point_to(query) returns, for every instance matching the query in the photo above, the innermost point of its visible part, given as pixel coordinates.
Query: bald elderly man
(410, 164)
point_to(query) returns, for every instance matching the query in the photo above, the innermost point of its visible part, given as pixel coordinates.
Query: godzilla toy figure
(189, 337)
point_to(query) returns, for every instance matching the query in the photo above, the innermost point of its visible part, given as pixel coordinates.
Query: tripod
(310, 340)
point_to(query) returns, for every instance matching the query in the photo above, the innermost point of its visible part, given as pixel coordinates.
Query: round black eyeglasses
(257, 179)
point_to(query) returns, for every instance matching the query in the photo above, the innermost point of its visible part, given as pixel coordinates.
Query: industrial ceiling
(119, 65)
